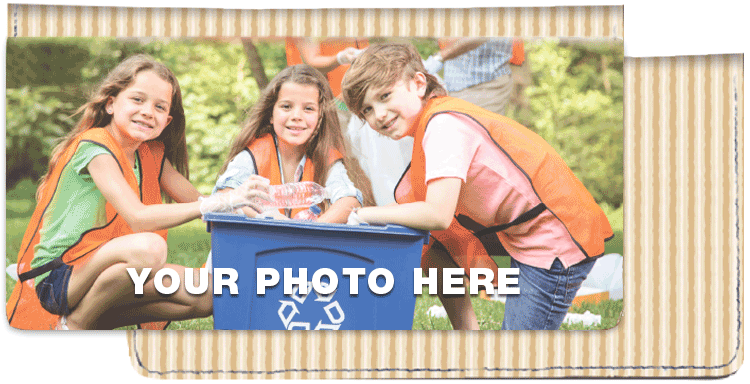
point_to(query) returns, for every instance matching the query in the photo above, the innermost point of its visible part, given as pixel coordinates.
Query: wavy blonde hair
(94, 115)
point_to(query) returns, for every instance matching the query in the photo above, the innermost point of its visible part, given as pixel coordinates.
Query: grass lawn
(189, 245)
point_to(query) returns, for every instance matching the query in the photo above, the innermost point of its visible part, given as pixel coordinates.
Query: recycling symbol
(289, 309)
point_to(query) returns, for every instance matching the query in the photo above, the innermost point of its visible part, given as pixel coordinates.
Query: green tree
(215, 76)
(575, 98)
(576, 104)
(34, 120)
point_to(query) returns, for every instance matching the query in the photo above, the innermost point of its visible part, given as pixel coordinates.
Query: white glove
(347, 55)
(246, 195)
(354, 219)
(433, 64)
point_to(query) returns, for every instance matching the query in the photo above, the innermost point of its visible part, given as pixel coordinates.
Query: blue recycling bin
(246, 244)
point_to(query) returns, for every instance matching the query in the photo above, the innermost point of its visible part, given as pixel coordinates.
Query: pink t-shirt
(494, 190)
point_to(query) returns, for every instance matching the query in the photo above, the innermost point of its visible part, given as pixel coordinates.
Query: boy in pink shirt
(478, 179)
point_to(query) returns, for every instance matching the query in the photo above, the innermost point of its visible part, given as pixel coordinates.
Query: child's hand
(433, 64)
(249, 194)
(272, 213)
(347, 55)
(252, 193)
(354, 219)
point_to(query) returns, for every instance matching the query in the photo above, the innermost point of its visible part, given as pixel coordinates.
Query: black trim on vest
(44, 266)
(57, 262)
(165, 325)
(287, 211)
(161, 167)
(84, 235)
(113, 217)
(139, 181)
(408, 166)
(32, 272)
(522, 218)
(41, 218)
(437, 245)
(490, 241)
(105, 147)
(36, 230)
(580, 247)
(255, 163)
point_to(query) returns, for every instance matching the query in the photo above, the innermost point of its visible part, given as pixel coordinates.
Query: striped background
(42, 20)
(683, 217)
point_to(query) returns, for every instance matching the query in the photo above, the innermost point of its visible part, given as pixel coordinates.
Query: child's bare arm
(310, 53)
(458, 47)
(435, 213)
(141, 218)
(110, 181)
(180, 189)
(339, 211)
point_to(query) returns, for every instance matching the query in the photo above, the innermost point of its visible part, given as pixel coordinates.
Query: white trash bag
(607, 275)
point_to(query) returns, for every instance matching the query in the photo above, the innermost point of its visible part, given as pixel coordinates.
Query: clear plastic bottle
(310, 214)
(294, 195)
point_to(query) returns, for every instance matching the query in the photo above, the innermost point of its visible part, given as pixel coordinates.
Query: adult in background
(478, 70)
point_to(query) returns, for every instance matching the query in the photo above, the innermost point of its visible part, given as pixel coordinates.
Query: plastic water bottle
(294, 195)
(309, 214)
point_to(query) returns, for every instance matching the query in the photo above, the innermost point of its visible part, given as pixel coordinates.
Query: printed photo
(314, 184)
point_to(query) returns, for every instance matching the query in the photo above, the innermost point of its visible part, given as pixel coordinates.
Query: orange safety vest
(23, 309)
(329, 47)
(518, 56)
(264, 153)
(469, 243)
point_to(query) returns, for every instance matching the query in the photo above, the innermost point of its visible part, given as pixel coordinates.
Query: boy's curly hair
(382, 66)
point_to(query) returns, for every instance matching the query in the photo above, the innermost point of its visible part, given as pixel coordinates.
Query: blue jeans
(545, 295)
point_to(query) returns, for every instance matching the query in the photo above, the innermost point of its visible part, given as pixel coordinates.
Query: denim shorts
(53, 290)
(545, 295)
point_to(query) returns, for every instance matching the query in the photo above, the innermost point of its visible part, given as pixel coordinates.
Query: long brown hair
(94, 114)
(382, 66)
(327, 136)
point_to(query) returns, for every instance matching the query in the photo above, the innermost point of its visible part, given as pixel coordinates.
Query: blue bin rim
(365, 229)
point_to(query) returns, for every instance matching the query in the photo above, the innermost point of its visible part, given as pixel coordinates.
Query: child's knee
(150, 251)
(203, 305)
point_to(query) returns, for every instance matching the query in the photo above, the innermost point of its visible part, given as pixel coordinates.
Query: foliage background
(570, 92)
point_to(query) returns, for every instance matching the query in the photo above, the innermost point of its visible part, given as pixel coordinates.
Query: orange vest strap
(517, 56)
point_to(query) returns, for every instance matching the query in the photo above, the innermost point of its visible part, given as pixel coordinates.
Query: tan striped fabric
(683, 218)
(44, 20)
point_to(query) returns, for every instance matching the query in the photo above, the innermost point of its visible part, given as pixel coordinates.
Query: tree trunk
(605, 76)
(256, 65)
